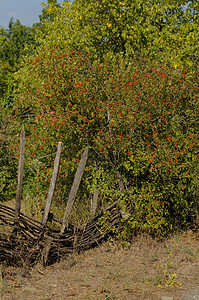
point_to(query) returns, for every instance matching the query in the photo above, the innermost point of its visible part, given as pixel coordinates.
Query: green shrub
(139, 121)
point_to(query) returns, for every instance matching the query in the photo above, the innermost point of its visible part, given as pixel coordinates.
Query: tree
(15, 42)
(141, 27)
(46, 14)
(167, 31)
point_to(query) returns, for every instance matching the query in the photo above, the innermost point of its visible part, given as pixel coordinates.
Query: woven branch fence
(26, 241)
(29, 241)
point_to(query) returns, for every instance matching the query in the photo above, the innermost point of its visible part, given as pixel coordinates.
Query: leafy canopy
(159, 29)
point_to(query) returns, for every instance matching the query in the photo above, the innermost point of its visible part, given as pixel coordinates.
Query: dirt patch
(145, 270)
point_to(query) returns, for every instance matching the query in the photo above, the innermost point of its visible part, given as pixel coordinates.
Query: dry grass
(145, 270)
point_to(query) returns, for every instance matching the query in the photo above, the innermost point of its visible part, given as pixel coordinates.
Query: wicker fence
(25, 241)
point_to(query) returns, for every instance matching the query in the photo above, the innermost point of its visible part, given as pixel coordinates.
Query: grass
(147, 269)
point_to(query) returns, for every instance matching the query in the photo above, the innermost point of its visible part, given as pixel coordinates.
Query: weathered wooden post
(52, 184)
(74, 189)
(20, 173)
(94, 203)
(46, 250)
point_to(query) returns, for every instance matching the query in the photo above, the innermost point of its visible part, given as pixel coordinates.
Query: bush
(139, 121)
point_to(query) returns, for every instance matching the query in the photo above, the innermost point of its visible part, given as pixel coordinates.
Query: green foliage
(15, 42)
(158, 29)
(167, 32)
(97, 79)
(49, 11)
(9, 162)
(139, 121)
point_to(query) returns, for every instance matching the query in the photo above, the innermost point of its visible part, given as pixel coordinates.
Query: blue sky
(27, 11)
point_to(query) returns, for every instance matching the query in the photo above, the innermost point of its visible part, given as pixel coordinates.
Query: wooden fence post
(46, 250)
(52, 184)
(74, 189)
(20, 173)
(94, 203)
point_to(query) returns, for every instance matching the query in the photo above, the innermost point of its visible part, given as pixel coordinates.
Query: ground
(146, 269)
